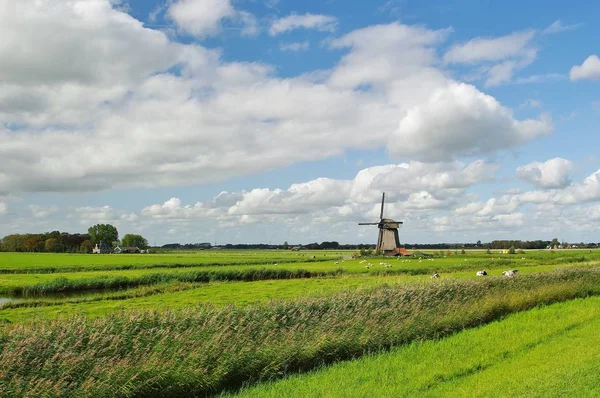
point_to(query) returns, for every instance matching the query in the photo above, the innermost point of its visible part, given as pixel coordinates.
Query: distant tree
(554, 243)
(52, 245)
(33, 243)
(463, 251)
(86, 247)
(133, 240)
(286, 246)
(488, 251)
(478, 243)
(103, 233)
(511, 250)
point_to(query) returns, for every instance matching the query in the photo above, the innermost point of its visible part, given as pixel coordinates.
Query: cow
(481, 273)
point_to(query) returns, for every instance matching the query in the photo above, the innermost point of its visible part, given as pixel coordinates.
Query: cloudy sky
(283, 120)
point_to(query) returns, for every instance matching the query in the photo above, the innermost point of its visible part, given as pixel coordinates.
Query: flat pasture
(210, 322)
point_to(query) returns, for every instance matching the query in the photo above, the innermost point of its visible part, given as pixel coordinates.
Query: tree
(86, 247)
(103, 233)
(554, 243)
(52, 245)
(133, 240)
(478, 243)
(511, 250)
(286, 245)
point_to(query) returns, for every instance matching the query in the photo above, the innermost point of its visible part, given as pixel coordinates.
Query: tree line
(64, 242)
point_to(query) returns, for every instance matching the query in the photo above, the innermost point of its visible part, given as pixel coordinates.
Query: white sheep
(510, 273)
(481, 273)
(434, 276)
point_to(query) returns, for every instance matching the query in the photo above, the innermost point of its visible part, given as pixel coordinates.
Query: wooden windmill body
(387, 242)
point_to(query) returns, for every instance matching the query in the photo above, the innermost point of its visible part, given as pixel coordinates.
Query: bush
(511, 250)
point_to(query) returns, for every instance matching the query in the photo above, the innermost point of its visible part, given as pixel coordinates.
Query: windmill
(387, 241)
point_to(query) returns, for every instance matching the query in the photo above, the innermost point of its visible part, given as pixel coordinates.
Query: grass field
(204, 322)
(545, 352)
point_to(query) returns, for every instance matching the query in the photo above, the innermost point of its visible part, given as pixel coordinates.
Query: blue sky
(264, 120)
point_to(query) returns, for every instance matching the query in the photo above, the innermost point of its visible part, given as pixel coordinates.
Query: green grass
(178, 296)
(206, 349)
(454, 266)
(545, 352)
(51, 262)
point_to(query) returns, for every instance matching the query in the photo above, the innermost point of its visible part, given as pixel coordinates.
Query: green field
(196, 323)
(545, 352)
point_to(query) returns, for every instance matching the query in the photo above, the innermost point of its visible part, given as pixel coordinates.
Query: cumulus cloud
(122, 119)
(459, 119)
(589, 70)
(324, 23)
(553, 173)
(587, 191)
(202, 18)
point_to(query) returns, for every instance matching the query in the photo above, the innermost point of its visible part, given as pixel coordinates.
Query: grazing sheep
(336, 262)
(481, 273)
(434, 276)
(510, 273)
(388, 266)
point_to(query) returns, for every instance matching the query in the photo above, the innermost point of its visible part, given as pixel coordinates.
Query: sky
(256, 121)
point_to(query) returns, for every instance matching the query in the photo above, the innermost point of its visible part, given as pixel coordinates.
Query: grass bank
(108, 281)
(545, 352)
(206, 349)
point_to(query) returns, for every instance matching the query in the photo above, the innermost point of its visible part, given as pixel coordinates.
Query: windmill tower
(387, 241)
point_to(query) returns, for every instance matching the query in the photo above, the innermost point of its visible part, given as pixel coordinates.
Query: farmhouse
(126, 249)
(103, 248)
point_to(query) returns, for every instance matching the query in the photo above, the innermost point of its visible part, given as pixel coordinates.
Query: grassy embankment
(545, 352)
(206, 349)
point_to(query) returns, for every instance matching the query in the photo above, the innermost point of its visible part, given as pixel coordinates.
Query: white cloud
(296, 46)
(500, 57)
(42, 211)
(491, 49)
(202, 18)
(83, 129)
(324, 23)
(459, 119)
(510, 220)
(558, 27)
(553, 173)
(588, 191)
(589, 70)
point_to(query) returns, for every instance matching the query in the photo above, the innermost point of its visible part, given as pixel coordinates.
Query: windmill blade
(368, 223)
(382, 200)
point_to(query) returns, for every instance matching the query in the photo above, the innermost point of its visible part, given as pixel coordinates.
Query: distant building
(126, 250)
(103, 248)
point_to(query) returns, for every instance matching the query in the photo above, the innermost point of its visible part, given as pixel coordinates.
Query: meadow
(198, 323)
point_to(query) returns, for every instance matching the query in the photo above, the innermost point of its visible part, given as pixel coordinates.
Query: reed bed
(204, 350)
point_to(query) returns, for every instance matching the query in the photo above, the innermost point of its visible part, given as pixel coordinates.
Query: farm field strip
(180, 295)
(217, 293)
(14, 284)
(206, 349)
(544, 352)
(51, 262)
(56, 263)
